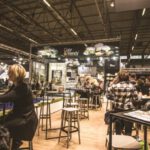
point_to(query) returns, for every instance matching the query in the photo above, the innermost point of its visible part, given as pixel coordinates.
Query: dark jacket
(22, 120)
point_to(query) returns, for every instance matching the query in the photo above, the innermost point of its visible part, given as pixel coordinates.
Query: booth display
(38, 72)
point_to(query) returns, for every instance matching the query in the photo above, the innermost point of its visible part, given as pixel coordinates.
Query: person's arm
(8, 97)
(110, 93)
(136, 98)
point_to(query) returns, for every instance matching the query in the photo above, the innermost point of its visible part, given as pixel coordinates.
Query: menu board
(142, 115)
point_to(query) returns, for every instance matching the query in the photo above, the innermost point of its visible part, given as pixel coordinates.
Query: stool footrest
(71, 131)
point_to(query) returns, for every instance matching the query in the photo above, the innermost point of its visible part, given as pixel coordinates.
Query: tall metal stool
(96, 101)
(70, 123)
(124, 142)
(29, 147)
(45, 113)
(84, 108)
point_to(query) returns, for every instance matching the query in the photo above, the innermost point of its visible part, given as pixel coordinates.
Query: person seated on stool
(22, 120)
(125, 96)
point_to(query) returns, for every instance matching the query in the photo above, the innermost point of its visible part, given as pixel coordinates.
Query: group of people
(89, 86)
(36, 85)
(124, 92)
(22, 120)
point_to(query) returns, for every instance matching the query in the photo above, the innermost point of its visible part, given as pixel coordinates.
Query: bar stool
(68, 101)
(96, 102)
(29, 147)
(70, 123)
(84, 108)
(45, 105)
(124, 142)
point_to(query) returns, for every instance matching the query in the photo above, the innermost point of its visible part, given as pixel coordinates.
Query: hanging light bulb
(112, 4)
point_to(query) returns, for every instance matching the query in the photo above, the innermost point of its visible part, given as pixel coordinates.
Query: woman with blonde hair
(22, 120)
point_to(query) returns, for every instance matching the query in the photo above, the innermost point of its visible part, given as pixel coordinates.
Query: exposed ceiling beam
(107, 17)
(67, 26)
(61, 9)
(17, 33)
(145, 48)
(82, 19)
(27, 18)
(135, 24)
(16, 50)
(100, 17)
(108, 40)
(13, 41)
(21, 27)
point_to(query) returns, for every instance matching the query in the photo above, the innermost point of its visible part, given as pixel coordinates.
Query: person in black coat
(22, 120)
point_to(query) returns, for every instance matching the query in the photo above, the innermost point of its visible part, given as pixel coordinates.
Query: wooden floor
(93, 134)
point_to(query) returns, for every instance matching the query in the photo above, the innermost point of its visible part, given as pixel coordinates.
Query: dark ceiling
(23, 22)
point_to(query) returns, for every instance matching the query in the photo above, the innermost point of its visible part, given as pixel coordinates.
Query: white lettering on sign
(69, 52)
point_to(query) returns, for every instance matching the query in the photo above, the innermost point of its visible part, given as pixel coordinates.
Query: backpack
(4, 138)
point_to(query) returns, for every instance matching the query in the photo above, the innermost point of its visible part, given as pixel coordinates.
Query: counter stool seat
(73, 104)
(124, 142)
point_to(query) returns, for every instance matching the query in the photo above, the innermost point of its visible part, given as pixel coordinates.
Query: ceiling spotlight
(112, 4)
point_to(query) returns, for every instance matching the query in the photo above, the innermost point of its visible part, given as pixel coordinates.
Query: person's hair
(18, 72)
(123, 75)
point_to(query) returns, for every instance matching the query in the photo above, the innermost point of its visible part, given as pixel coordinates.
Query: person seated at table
(22, 120)
(125, 96)
(142, 86)
(85, 92)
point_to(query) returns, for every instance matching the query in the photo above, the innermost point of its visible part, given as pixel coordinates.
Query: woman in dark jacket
(22, 120)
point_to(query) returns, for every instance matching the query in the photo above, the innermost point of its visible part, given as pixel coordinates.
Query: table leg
(145, 138)
(4, 108)
(110, 133)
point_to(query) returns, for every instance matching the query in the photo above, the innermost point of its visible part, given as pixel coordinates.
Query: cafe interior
(87, 64)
